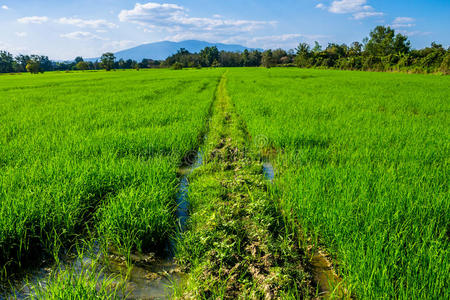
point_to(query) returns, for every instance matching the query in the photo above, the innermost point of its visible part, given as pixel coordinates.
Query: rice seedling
(87, 149)
(362, 165)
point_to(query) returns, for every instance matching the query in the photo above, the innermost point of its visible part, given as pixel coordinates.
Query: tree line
(382, 50)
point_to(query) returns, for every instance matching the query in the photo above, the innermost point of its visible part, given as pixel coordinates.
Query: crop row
(97, 150)
(362, 165)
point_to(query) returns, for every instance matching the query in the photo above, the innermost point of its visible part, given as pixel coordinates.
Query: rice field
(95, 148)
(361, 166)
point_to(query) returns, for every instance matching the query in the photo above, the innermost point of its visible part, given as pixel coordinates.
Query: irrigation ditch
(232, 239)
(236, 244)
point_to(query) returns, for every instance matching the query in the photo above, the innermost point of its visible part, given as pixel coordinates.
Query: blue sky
(65, 29)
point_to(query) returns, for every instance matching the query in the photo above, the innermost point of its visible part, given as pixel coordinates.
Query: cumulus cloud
(367, 14)
(82, 35)
(358, 8)
(403, 22)
(175, 19)
(33, 20)
(348, 6)
(5, 7)
(86, 23)
(21, 34)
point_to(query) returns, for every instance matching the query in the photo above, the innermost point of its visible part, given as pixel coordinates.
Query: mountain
(161, 50)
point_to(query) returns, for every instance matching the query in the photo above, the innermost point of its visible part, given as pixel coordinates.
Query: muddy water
(149, 278)
(324, 276)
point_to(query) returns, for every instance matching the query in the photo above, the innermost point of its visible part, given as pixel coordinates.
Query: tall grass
(94, 148)
(363, 166)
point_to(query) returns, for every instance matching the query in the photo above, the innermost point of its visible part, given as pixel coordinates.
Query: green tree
(209, 55)
(6, 62)
(303, 56)
(445, 66)
(278, 54)
(245, 58)
(317, 47)
(33, 67)
(383, 41)
(45, 64)
(177, 66)
(254, 58)
(82, 65)
(22, 61)
(107, 61)
(355, 49)
(215, 64)
(267, 59)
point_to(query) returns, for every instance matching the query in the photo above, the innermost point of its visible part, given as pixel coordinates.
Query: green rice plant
(79, 282)
(140, 218)
(363, 164)
(77, 143)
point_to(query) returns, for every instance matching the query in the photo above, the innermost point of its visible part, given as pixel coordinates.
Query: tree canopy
(382, 50)
(107, 61)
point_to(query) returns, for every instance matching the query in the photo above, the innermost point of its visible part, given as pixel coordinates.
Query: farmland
(94, 148)
(363, 167)
(361, 174)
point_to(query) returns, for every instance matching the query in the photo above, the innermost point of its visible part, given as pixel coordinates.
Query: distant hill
(161, 50)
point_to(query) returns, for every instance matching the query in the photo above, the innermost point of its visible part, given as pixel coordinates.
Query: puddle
(149, 278)
(182, 211)
(268, 171)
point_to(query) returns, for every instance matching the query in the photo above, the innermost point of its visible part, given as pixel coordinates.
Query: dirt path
(236, 245)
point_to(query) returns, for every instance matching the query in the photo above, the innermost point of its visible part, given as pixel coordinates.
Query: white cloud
(367, 14)
(152, 13)
(86, 23)
(414, 33)
(285, 41)
(320, 5)
(33, 20)
(21, 34)
(5, 7)
(358, 8)
(403, 22)
(409, 25)
(82, 35)
(175, 19)
(14, 49)
(348, 6)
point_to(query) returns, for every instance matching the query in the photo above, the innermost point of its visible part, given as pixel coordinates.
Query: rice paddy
(100, 148)
(360, 175)
(362, 166)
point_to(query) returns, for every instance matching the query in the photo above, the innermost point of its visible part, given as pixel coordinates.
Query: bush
(445, 66)
(177, 66)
